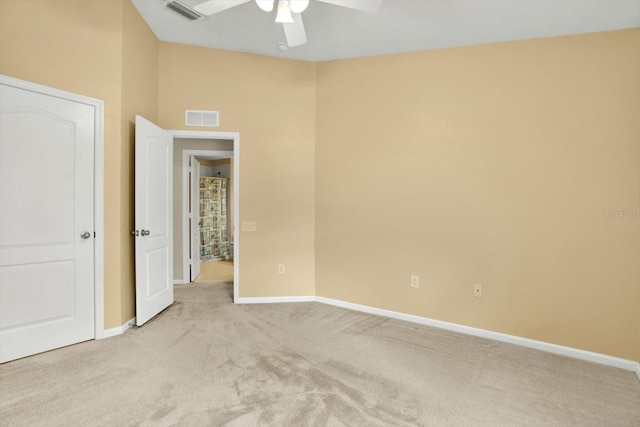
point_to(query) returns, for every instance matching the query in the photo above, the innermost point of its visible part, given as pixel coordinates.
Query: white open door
(194, 259)
(154, 219)
(46, 222)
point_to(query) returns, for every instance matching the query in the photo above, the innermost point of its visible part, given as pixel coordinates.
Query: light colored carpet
(215, 271)
(207, 362)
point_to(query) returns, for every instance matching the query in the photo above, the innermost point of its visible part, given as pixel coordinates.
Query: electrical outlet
(281, 269)
(415, 281)
(477, 290)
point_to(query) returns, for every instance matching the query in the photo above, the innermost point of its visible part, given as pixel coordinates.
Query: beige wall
(180, 145)
(271, 102)
(489, 164)
(94, 48)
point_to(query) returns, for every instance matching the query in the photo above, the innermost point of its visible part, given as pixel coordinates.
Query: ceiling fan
(289, 12)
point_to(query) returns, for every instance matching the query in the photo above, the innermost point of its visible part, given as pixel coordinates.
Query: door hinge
(94, 234)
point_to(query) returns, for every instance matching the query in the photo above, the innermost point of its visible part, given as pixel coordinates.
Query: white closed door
(46, 222)
(195, 217)
(154, 219)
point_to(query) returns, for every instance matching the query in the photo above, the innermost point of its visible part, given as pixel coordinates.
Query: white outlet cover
(415, 281)
(477, 290)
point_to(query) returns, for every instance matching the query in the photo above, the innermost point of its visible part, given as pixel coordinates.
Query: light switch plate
(249, 226)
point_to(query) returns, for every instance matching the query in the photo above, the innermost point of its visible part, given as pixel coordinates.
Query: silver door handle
(85, 235)
(145, 232)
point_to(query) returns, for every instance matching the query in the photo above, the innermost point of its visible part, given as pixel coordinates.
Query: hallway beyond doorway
(215, 271)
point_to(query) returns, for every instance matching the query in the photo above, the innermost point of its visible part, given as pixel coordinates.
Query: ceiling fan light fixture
(284, 12)
(298, 6)
(266, 5)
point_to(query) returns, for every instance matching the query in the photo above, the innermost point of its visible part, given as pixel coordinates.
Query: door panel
(23, 223)
(158, 189)
(52, 302)
(154, 219)
(157, 283)
(46, 203)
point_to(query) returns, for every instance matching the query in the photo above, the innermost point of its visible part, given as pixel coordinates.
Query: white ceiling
(399, 26)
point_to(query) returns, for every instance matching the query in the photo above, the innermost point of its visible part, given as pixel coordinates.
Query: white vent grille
(201, 118)
(183, 10)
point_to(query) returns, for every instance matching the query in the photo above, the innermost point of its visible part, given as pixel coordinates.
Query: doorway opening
(211, 148)
(215, 203)
(211, 221)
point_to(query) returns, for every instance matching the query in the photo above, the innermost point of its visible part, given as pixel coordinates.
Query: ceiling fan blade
(214, 6)
(294, 32)
(370, 6)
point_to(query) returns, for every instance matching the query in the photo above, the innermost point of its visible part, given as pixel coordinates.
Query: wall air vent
(184, 10)
(201, 118)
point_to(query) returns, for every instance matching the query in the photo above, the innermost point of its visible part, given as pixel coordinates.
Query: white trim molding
(274, 300)
(602, 359)
(98, 221)
(119, 330)
(575, 353)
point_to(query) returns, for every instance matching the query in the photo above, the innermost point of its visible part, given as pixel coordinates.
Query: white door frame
(235, 137)
(98, 186)
(194, 219)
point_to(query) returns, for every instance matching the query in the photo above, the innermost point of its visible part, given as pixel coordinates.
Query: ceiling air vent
(202, 118)
(184, 10)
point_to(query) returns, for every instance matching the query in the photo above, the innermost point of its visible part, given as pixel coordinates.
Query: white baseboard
(589, 356)
(272, 300)
(602, 359)
(119, 329)
(178, 282)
